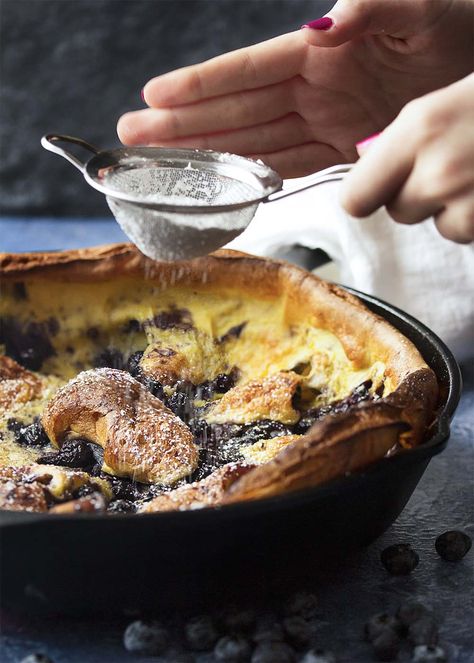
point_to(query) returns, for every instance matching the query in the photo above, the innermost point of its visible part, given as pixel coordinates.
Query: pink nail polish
(142, 95)
(324, 23)
(366, 141)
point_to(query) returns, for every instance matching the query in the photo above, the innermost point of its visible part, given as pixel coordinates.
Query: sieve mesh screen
(180, 186)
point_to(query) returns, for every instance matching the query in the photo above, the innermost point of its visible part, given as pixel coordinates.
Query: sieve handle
(49, 142)
(332, 174)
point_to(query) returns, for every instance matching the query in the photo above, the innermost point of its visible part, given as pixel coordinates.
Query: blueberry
(121, 506)
(240, 621)
(273, 652)
(133, 363)
(84, 490)
(233, 332)
(30, 435)
(232, 649)
(123, 489)
(29, 345)
(453, 545)
(179, 403)
(224, 382)
(423, 631)
(399, 559)
(359, 394)
(262, 430)
(109, 358)
(180, 318)
(142, 637)
(73, 453)
(269, 631)
(318, 656)
(53, 326)
(155, 388)
(428, 654)
(132, 326)
(386, 645)
(410, 612)
(19, 291)
(93, 333)
(297, 630)
(304, 604)
(201, 633)
(380, 623)
(219, 385)
(36, 658)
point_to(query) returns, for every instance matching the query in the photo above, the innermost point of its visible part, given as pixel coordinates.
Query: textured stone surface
(74, 66)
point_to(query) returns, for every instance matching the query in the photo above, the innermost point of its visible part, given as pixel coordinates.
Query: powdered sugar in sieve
(169, 235)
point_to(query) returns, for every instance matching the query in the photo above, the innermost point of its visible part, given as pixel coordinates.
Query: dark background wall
(74, 66)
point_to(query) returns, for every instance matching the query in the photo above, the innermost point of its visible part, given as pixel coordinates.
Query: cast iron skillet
(107, 564)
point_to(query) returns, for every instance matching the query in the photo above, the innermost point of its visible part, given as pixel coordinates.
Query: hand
(300, 107)
(422, 165)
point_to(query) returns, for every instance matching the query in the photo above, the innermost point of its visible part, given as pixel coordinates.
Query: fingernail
(324, 23)
(364, 144)
(142, 95)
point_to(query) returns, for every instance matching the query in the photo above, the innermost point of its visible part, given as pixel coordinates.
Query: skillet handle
(49, 143)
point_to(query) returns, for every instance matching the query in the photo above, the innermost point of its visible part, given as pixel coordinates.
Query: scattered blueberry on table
(429, 654)
(232, 649)
(273, 652)
(399, 559)
(240, 621)
(380, 623)
(410, 612)
(143, 637)
(297, 631)
(304, 604)
(452, 546)
(423, 631)
(386, 645)
(201, 633)
(318, 656)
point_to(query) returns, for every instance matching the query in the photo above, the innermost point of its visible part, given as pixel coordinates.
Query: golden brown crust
(264, 450)
(207, 492)
(166, 365)
(17, 385)
(141, 438)
(270, 398)
(335, 446)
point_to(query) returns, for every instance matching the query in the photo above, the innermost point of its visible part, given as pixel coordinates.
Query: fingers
(234, 111)
(301, 160)
(285, 132)
(380, 174)
(422, 165)
(349, 19)
(249, 68)
(456, 222)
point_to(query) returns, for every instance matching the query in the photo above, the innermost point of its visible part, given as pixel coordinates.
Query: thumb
(349, 19)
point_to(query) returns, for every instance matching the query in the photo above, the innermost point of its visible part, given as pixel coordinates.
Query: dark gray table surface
(444, 499)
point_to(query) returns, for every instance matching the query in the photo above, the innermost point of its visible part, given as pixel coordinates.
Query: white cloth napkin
(412, 267)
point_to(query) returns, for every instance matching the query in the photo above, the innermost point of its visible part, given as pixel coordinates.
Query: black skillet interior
(100, 564)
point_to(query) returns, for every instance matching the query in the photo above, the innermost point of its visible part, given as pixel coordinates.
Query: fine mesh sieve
(181, 203)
